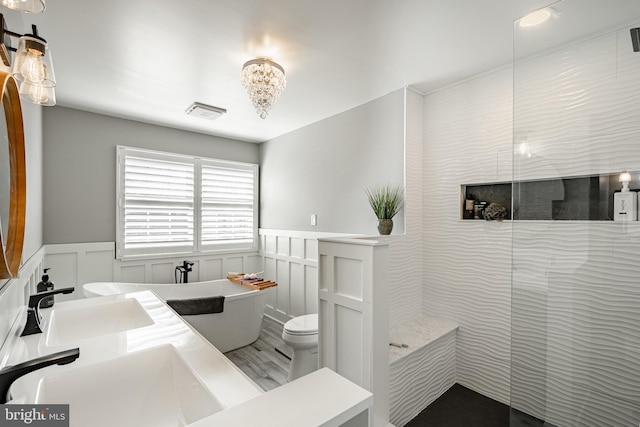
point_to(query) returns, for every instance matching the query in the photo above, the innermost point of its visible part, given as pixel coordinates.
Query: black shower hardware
(635, 39)
(184, 270)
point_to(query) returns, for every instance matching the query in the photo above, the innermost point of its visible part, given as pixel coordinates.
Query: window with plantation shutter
(173, 204)
(228, 205)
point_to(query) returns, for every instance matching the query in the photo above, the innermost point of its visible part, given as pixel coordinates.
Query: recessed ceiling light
(535, 18)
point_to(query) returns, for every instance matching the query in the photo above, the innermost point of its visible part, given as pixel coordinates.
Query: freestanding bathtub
(237, 326)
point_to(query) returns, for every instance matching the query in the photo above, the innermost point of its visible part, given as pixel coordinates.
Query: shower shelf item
(575, 198)
(258, 283)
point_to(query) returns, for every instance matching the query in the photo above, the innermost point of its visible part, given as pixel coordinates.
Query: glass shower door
(575, 326)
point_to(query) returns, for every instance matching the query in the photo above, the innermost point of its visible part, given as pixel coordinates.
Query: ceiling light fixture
(33, 67)
(29, 6)
(264, 81)
(535, 18)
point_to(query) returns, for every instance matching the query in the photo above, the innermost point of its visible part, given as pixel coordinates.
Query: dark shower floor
(461, 407)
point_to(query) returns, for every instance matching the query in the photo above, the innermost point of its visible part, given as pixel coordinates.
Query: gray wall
(80, 167)
(324, 168)
(32, 117)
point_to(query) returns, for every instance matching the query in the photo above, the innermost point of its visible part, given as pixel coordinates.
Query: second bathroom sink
(150, 388)
(67, 325)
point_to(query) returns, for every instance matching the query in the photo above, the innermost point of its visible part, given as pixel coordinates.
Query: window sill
(183, 255)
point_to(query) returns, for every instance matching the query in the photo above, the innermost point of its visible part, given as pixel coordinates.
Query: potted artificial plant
(386, 201)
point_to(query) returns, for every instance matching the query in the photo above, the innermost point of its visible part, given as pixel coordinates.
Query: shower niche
(583, 198)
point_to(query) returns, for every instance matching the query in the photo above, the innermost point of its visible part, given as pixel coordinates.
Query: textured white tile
(420, 378)
(416, 333)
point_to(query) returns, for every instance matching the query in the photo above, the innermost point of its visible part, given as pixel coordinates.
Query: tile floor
(462, 407)
(265, 365)
(267, 360)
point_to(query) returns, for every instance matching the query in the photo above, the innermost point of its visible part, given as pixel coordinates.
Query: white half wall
(291, 260)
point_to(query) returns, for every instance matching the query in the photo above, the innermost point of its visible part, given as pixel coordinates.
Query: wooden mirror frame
(12, 254)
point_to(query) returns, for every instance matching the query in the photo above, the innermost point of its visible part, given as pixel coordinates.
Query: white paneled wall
(13, 301)
(291, 260)
(78, 263)
(354, 316)
(467, 264)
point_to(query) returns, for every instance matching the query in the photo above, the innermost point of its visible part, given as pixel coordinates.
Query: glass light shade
(29, 6)
(33, 62)
(38, 94)
(625, 177)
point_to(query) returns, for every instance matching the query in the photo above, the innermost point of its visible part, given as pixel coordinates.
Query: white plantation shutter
(228, 205)
(172, 204)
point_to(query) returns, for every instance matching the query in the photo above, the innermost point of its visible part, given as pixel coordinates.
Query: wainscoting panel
(13, 302)
(132, 274)
(79, 263)
(354, 297)
(291, 259)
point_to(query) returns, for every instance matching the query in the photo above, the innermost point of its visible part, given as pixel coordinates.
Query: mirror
(5, 178)
(13, 190)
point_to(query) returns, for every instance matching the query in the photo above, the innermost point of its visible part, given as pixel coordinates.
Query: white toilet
(301, 334)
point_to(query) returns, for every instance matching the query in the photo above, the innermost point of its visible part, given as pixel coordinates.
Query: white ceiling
(149, 60)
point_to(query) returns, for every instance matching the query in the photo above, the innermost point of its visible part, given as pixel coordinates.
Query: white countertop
(230, 385)
(323, 398)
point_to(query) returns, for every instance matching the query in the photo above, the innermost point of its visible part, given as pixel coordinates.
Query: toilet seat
(302, 325)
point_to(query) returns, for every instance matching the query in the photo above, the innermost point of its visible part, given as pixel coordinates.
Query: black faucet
(34, 319)
(11, 373)
(184, 270)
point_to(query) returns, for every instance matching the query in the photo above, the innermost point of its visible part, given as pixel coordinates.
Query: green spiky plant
(386, 200)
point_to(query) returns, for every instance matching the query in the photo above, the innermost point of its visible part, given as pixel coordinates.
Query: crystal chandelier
(264, 81)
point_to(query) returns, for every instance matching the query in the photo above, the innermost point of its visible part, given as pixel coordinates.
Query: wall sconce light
(32, 67)
(29, 6)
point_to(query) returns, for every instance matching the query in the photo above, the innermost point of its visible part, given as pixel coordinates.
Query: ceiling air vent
(205, 111)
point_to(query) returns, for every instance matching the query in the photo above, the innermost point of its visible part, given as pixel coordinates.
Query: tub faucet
(34, 320)
(184, 270)
(9, 374)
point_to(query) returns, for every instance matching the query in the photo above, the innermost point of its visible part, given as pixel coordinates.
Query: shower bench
(419, 374)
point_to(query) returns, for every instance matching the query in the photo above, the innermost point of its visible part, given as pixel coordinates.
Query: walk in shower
(575, 292)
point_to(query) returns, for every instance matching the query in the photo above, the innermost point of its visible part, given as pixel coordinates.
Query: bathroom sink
(70, 324)
(148, 388)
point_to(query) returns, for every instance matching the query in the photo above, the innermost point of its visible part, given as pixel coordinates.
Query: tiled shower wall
(575, 304)
(467, 264)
